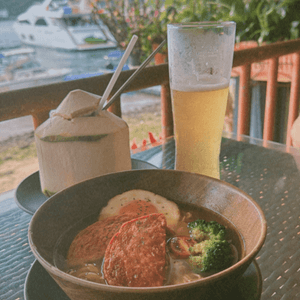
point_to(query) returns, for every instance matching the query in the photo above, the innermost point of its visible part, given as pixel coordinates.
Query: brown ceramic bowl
(67, 207)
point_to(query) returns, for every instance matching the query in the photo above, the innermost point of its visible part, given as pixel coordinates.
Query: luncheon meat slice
(136, 255)
(90, 243)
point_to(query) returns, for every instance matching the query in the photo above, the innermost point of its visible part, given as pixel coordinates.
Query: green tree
(259, 20)
(147, 19)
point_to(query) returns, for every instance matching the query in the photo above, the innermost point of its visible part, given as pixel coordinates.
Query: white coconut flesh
(73, 145)
(162, 205)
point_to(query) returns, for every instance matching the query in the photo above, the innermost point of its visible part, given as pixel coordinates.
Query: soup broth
(177, 270)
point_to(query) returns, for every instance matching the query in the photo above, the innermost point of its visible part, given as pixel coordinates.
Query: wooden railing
(38, 101)
(272, 52)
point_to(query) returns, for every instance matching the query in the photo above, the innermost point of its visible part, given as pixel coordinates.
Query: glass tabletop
(269, 172)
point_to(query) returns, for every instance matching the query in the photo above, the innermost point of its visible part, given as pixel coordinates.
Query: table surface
(267, 171)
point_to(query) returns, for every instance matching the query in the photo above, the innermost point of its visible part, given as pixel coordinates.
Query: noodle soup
(176, 270)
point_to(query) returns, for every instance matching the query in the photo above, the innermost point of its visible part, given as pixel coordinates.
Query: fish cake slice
(136, 255)
(90, 243)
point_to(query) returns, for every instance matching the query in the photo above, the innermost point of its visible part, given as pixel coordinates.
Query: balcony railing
(38, 101)
(272, 53)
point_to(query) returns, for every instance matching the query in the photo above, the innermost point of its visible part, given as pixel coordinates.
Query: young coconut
(76, 143)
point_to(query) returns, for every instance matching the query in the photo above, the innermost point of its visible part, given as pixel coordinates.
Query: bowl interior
(66, 208)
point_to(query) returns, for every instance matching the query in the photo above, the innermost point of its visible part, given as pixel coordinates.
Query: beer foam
(205, 84)
(200, 59)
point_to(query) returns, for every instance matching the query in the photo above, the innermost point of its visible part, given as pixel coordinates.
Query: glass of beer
(200, 61)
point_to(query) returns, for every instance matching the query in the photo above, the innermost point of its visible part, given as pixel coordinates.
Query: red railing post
(243, 126)
(294, 97)
(115, 108)
(39, 118)
(166, 103)
(166, 111)
(271, 98)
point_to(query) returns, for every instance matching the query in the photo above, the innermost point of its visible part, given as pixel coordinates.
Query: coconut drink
(79, 142)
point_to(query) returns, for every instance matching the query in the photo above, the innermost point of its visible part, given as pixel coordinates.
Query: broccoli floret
(202, 230)
(211, 255)
(211, 252)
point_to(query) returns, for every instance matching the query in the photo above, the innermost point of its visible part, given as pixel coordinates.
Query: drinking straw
(141, 67)
(117, 72)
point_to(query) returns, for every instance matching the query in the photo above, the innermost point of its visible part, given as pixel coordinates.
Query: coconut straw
(117, 72)
(137, 71)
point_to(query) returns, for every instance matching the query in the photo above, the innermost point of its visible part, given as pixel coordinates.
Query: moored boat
(63, 24)
(20, 69)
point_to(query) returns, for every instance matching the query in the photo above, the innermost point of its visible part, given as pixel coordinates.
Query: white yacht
(20, 69)
(65, 24)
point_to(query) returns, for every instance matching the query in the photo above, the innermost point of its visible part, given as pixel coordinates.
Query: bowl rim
(120, 289)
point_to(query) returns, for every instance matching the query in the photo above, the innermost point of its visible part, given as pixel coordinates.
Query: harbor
(64, 39)
(81, 64)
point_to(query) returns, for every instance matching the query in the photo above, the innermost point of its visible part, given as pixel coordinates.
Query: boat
(112, 60)
(63, 24)
(19, 69)
(108, 69)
